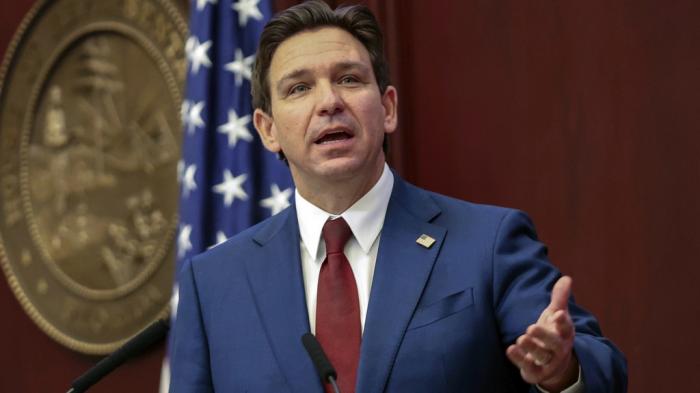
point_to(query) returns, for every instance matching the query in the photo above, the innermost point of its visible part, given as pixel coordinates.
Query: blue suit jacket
(439, 319)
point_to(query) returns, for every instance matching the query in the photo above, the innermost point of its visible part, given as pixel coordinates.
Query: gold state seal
(89, 144)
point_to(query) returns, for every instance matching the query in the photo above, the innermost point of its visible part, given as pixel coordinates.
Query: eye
(298, 89)
(348, 80)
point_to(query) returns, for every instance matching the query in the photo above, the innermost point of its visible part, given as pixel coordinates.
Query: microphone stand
(147, 337)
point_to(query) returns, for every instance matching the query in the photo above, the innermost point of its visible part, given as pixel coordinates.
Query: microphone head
(318, 357)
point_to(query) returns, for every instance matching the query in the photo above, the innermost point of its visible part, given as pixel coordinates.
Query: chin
(342, 168)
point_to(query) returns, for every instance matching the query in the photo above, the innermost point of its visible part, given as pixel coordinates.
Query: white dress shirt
(366, 219)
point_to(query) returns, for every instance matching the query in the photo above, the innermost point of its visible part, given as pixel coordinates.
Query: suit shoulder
(463, 208)
(243, 243)
(457, 213)
(453, 212)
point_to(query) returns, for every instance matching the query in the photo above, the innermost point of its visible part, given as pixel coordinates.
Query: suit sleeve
(189, 360)
(523, 279)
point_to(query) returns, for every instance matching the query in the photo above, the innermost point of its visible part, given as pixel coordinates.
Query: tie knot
(336, 233)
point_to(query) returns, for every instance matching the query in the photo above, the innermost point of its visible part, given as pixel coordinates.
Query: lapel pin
(425, 241)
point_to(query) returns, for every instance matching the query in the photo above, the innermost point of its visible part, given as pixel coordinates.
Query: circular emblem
(90, 95)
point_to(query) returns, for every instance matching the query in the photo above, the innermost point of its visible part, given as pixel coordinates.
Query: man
(407, 290)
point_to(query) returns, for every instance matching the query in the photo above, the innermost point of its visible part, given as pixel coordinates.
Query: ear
(390, 102)
(266, 129)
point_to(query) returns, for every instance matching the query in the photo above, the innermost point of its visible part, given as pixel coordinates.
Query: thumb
(560, 294)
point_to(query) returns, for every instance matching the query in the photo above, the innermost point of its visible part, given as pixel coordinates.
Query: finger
(516, 355)
(535, 352)
(563, 323)
(545, 316)
(560, 294)
(540, 360)
(546, 339)
(528, 370)
(531, 371)
(525, 343)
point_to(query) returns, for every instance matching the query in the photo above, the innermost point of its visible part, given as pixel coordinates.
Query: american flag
(228, 181)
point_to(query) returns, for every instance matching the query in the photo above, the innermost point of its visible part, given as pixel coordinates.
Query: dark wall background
(583, 113)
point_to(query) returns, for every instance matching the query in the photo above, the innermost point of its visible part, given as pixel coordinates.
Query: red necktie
(338, 307)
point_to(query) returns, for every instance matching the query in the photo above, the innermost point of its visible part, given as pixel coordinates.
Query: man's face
(328, 116)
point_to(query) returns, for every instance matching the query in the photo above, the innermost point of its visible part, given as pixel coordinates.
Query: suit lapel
(401, 272)
(277, 285)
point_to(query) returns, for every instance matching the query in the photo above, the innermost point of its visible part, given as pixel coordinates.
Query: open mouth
(333, 137)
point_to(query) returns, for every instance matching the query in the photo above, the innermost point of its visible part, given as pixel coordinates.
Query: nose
(329, 101)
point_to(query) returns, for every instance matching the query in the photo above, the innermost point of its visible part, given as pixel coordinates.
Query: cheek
(289, 136)
(289, 131)
(373, 119)
(369, 110)
(292, 121)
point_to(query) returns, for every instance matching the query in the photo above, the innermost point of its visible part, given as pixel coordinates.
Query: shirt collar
(365, 217)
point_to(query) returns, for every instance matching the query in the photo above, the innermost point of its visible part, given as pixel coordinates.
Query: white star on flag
(236, 128)
(241, 66)
(203, 3)
(183, 240)
(189, 45)
(220, 237)
(180, 170)
(247, 9)
(278, 201)
(188, 182)
(175, 299)
(231, 187)
(194, 117)
(197, 53)
(184, 111)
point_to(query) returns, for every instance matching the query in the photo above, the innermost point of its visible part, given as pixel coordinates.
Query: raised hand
(544, 354)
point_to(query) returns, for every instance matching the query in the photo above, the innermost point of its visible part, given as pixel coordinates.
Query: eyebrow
(300, 73)
(348, 65)
(296, 74)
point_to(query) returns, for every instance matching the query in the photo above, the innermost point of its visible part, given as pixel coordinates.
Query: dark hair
(357, 20)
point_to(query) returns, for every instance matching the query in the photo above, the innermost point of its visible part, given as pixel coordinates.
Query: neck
(337, 195)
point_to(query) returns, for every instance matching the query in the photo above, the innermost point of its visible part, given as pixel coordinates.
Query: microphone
(149, 336)
(318, 357)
